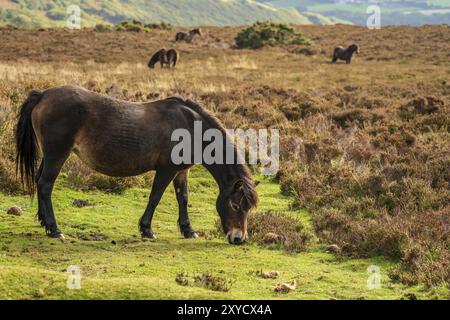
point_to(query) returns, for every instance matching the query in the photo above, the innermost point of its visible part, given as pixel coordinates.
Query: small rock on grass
(15, 211)
(286, 287)
(40, 293)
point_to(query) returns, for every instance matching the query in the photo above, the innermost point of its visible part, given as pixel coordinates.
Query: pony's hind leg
(162, 179)
(51, 166)
(181, 190)
(40, 213)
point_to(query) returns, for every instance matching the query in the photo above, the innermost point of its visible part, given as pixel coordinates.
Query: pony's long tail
(26, 149)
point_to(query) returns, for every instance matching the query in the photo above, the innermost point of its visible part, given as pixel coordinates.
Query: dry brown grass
(365, 147)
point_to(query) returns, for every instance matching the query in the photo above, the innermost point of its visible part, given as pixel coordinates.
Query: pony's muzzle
(236, 236)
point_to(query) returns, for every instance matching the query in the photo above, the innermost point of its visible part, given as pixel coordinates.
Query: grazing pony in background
(168, 58)
(183, 36)
(120, 139)
(344, 54)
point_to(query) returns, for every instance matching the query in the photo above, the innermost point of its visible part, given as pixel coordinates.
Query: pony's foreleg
(49, 171)
(162, 179)
(181, 189)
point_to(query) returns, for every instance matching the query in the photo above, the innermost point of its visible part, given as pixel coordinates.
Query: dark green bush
(161, 26)
(138, 26)
(102, 28)
(131, 26)
(263, 34)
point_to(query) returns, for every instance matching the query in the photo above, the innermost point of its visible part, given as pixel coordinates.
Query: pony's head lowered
(233, 205)
(238, 194)
(159, 55)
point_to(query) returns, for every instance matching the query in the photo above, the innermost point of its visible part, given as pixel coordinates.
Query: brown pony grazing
(183, 36)
(159, 56)
(168, 58)
(120, 138)
(344, 54)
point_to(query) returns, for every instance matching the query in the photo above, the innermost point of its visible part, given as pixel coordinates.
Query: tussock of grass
(205, 280)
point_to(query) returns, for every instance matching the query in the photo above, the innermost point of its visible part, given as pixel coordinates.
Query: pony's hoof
(190, 234)
(56, 235)
(146, 234)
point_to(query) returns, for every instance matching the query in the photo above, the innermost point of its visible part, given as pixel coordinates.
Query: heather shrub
(375, 183)
(278, 230)
(8, 181)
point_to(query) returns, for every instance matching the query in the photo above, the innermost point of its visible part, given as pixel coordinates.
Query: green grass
(33, 266)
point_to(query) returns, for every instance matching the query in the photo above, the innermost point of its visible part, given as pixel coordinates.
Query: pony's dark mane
(210, 119)
(243, 170)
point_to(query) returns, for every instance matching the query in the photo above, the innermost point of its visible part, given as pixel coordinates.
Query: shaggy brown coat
(120, 139)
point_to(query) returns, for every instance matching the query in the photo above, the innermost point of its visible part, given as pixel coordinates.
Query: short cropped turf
(103, 241)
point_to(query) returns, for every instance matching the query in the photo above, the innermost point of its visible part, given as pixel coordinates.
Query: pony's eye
(234, 206)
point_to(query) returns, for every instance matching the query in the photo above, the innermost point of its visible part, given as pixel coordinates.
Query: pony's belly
(114, 163)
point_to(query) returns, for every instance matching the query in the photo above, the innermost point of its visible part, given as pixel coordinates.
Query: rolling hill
(393, 12)
(42, 13)
(53, 13)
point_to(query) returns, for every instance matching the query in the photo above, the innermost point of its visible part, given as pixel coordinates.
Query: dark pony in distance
(165, 57)
(344, 54)
(119, 139)
(183, 36)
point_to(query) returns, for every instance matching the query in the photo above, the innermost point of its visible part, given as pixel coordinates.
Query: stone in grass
(40, 293)
(286, 287)
(15, 211)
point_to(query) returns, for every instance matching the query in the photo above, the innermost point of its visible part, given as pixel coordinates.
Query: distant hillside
(42, 13)
(393, 12)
